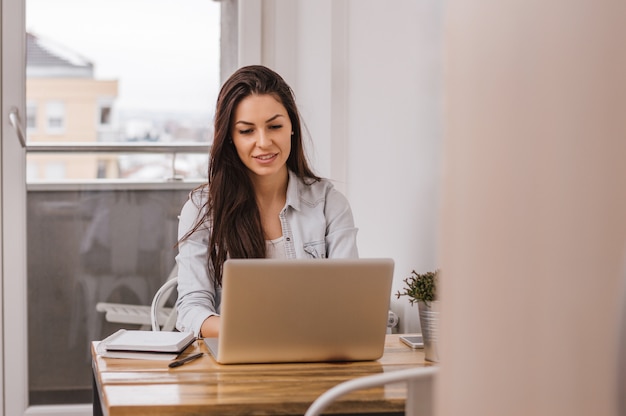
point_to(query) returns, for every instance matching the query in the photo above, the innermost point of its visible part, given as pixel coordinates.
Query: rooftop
(45, 58)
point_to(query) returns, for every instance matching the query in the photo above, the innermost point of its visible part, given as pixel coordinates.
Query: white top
(275, 249)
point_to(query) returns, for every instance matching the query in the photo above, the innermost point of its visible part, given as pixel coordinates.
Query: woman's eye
(276, 127)
(247, 131)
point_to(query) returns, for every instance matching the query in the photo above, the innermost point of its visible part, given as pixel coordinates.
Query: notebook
(303, 310)
(147, 341)
(155, 341)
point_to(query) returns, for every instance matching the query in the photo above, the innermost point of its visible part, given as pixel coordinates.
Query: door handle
(14, 119)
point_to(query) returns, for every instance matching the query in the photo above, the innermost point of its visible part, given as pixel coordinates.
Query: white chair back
(158, 303)
(411, 376)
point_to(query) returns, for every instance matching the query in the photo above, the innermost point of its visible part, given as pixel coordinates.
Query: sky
(164, 53)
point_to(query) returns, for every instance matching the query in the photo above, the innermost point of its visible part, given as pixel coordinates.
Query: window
(105, 124)
(154, 78)
(31, 116)
(60, 215)
(99, 85)
(55, 170)
(55, 116)
(32, 171)
(105, 115)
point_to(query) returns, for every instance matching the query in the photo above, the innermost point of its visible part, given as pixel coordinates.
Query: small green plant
(420, 287)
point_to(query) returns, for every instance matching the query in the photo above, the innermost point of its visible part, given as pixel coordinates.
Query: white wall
(394, 134)
(367, 78)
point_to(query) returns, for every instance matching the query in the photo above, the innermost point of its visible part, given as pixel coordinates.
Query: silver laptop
(303, 310)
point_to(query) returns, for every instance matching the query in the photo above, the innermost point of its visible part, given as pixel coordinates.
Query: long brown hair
(231, 211)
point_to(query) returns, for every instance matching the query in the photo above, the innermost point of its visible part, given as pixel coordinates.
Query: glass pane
(107, 71)
(87, 245)
(121, 71)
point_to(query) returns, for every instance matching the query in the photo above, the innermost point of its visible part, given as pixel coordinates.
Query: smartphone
(413, 340)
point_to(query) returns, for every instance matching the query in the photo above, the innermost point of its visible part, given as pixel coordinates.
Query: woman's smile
(266, 158)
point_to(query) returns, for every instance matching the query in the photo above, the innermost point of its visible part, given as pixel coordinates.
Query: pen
(178, 363)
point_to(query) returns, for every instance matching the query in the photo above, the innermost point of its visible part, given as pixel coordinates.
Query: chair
(157, 307)
(418, 379)
(145, 315)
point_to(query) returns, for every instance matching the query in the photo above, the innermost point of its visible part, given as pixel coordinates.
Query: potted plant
(422, 289)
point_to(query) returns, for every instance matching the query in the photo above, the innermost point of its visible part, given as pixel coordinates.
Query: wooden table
(125, 387)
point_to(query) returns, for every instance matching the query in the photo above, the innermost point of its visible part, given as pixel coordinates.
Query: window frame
(13, 292)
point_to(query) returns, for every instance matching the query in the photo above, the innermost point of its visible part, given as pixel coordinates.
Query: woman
(261, 201)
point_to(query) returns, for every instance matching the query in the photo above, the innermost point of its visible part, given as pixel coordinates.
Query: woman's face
(261, 133)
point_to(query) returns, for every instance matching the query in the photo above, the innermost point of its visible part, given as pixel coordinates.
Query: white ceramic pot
(429, 321)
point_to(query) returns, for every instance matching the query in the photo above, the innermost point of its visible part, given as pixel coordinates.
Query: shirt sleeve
(198, 297)
(340, 230)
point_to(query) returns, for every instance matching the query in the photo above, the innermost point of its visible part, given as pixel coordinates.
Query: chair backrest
(410, 376)
(158, 303)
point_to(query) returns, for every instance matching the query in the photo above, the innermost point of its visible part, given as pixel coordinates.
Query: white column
(534, 210)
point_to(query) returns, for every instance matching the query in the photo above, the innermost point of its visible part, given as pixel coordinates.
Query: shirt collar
(293, 199)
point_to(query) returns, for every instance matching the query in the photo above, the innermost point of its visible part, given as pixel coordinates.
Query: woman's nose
(263, 140)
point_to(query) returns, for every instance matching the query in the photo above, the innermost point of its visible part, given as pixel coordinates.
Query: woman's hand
(210, 327)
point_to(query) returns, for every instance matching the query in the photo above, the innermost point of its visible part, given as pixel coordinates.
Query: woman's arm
(340, 230)
(198, 298)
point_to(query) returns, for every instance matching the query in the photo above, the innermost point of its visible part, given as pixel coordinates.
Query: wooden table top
(142, 387)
